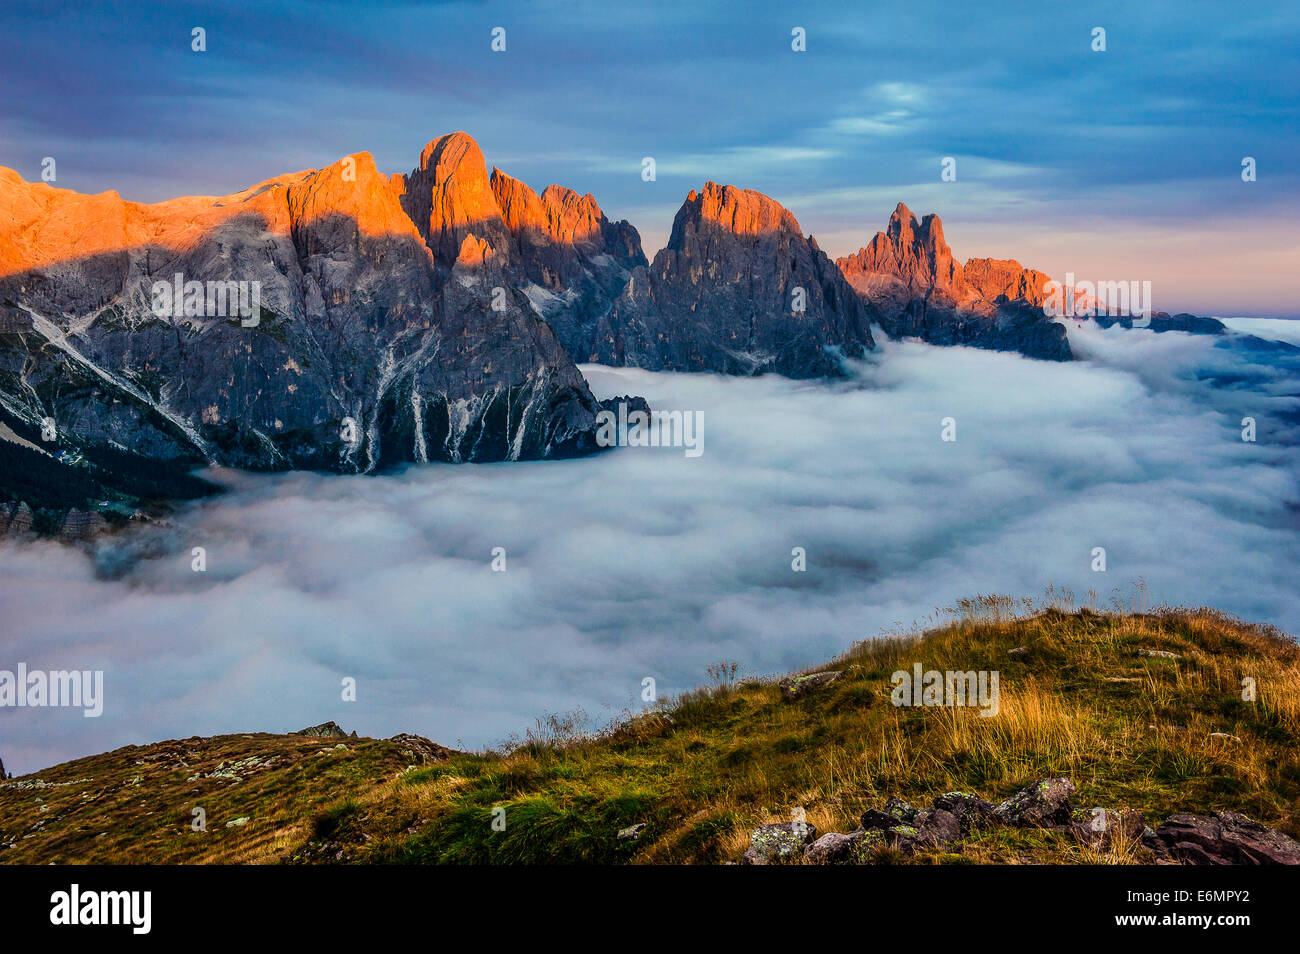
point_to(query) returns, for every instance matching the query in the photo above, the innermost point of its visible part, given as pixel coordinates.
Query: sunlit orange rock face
(558, 215)
(911, 260)
(42, 225)
(739, 211)
(909, 272)
(60, 231)
(567, 257)
(988, 278)
(520, 207)
(908, 260)
(448, 197)
(351, 195)
(571, 218)
(722, 233)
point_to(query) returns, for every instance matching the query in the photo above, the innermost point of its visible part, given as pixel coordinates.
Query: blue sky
(1118, 165)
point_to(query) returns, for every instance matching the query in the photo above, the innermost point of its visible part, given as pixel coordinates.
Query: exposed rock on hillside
(1221, 838)
(774, 843)
(326, 730)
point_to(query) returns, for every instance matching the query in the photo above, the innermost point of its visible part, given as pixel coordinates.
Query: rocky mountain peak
(323, 324)
(909, 272)
(348, 198)
(738, 289)
(742, 212)
(909, 259)
(520, 207)
(572, 218)
(449, 197)
(559, 215)
(902, 221)
(931, 236)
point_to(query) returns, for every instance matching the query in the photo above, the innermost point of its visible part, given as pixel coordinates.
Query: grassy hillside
(1082, 699)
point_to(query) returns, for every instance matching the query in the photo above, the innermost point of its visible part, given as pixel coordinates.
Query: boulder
(896, 812)
(1224, 838)
(632, 832)
(832, 848)
(937, 826)
(776, 843)
(904, 838)
(420, 749)
(972, 812)
(326, 730)
(931, 828)
(1040, 805)
(1103, 827)
(792, 687)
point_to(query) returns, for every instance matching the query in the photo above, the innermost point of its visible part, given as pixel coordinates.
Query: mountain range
(432, 315)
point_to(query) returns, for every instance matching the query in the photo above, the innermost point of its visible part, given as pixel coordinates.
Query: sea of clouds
(643, 562)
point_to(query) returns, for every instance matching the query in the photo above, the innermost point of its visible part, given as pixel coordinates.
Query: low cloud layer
(643, 562)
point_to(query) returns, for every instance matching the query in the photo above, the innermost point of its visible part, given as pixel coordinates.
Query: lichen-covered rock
(931, 828)
(1040, 805)
(1104, 827)
(902, 837)
(972, 812)
(896, 812)
(1224, 838)
(792, 687)
(775, 843)
(632, 832)
(420, 749)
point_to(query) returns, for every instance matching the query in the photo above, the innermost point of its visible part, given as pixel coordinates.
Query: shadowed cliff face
(738, 289)
(571, 261)
(909, 273)
(362, 347)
